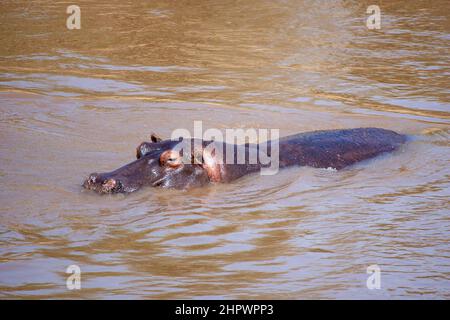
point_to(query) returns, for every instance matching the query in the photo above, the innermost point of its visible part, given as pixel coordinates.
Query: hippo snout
(91, 180)
(102, 184)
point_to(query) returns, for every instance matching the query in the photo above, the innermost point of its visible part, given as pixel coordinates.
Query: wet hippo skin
(159, 162)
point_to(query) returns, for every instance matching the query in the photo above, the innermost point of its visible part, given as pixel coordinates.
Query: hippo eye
(170, 158)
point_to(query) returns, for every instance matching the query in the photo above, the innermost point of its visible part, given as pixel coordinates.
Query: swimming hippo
(162, 163)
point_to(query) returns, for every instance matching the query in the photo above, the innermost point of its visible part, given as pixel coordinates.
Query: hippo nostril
(92, 178)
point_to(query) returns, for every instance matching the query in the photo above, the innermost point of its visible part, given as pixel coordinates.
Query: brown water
(77, 101)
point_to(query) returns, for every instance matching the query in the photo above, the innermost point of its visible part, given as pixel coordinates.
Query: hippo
(162, 163)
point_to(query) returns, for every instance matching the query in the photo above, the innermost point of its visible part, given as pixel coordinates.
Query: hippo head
(160, 164)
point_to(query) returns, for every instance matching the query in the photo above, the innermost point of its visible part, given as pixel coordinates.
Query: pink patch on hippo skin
(211, 166)
(109, 184)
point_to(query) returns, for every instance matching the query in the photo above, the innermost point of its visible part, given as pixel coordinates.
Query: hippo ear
(155, 138)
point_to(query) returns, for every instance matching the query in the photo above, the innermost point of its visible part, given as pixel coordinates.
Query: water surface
(77, 101)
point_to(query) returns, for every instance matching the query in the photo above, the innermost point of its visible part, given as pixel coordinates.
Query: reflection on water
(77, 101)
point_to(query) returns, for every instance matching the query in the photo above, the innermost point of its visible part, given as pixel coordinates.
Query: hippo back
(337, 148)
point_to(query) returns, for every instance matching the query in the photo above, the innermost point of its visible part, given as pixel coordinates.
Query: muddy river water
(77, 101)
